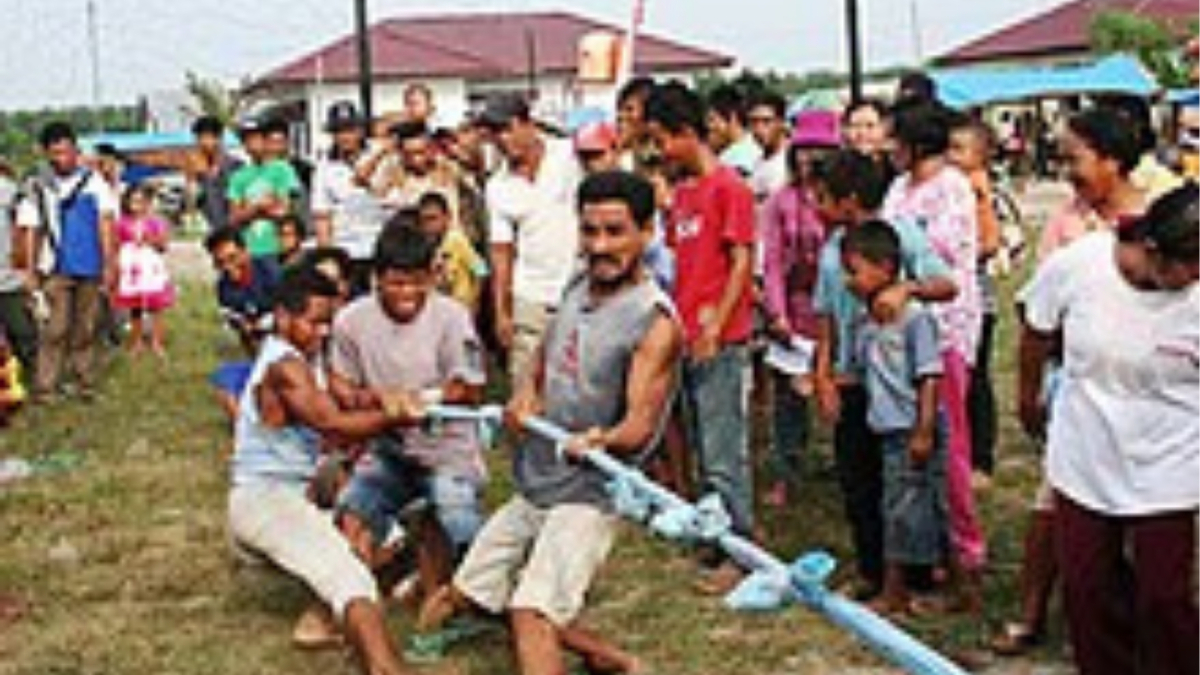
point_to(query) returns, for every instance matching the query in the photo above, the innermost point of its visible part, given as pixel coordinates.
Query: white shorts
(280, 523)
(539, 559)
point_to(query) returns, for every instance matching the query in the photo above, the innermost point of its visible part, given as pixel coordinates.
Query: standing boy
(711, 227)
(849, 188)
(901, 366)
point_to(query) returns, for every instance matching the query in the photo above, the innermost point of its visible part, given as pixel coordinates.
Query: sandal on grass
(1015, 639)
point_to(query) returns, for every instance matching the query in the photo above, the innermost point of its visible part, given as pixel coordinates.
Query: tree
(213, 99)
(1157, 45)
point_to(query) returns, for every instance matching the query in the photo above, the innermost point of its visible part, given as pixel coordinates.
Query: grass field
(124, 561)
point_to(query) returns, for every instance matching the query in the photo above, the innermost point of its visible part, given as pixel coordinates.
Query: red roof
(1063, 29)
(481, 46)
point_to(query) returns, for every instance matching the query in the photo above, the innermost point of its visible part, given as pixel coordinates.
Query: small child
(291, 240)
(143, 283)
(12, 389)
(971, 150)
(902, 365)
(460, 267)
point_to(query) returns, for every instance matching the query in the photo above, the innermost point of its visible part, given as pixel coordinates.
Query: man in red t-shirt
(710, 225)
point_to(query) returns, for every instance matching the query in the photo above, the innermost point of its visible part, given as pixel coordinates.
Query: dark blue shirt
(254, 299)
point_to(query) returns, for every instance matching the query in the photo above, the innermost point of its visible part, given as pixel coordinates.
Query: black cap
(249, 124)
(500, 109)
(343, 115)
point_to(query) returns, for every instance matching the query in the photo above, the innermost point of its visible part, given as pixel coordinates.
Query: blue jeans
(383, 486)
(714, 394)
(914, 502)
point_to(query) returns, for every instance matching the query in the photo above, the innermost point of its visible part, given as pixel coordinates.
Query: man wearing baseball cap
(345, 212)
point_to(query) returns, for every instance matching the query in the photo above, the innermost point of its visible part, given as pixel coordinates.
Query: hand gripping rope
(770, 585)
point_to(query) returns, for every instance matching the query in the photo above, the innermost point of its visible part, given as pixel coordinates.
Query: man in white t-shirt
(15, 319)
(345, 213)
(533, 226)
(69, 213)
(768, 124)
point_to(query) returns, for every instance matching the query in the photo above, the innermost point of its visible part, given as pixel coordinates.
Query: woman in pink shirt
(792, 238)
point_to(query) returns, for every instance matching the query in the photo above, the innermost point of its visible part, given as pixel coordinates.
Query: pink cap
(595, 137)
(817, 128)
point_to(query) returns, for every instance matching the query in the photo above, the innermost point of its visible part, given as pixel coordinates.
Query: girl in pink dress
(143, 284)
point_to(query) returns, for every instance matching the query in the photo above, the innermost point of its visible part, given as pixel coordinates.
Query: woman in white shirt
(1123, 440)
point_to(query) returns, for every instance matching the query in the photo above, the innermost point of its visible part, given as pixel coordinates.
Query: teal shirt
(253, 182)
(833, 299)
(743, 156)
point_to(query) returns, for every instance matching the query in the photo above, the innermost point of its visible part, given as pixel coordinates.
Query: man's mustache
(598, 259)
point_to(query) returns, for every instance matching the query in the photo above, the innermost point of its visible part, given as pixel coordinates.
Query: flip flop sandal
(1015, 639)
(432, 647)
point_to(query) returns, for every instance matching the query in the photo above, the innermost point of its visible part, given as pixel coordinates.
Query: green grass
(151, 588)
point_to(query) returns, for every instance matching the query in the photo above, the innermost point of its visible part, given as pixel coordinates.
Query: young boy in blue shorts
(901, 366)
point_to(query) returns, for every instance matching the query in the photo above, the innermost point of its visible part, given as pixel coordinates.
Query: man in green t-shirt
(260, 193)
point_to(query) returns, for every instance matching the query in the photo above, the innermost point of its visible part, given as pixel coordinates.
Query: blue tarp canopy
(1188, 98)
(1117, 74)
(142, 141)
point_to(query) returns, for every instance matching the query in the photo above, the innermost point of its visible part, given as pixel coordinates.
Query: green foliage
(1156, 44)
(212, 98)
(19, 129)
(791, 85)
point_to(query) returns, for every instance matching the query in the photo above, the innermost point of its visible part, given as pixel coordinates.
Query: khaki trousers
(69, 338)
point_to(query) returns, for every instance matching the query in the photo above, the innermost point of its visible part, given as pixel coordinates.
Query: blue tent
(142, 141)
(1117, 74)
(1188, 98)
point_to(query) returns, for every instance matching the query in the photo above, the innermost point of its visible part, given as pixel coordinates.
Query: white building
(463, 58)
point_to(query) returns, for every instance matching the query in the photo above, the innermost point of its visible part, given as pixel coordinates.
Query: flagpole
(628, 54)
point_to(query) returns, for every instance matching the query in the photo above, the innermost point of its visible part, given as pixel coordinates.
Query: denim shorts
(914, 503)
(231, 377)
(384, 485)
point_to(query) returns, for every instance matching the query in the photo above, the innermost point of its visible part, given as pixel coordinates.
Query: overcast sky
(147, 45)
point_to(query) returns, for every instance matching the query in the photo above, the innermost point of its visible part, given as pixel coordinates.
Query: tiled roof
(1063, 29)
(481, 46)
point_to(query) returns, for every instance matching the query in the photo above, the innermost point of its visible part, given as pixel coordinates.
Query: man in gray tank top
(606, 370)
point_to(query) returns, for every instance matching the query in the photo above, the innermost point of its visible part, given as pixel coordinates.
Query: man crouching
(284, 412)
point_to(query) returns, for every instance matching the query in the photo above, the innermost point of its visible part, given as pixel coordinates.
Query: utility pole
(364, 59)
(915, 19)
(94, 50)
(855, 52)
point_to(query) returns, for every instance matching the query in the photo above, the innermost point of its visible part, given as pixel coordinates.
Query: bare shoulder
(663, 340)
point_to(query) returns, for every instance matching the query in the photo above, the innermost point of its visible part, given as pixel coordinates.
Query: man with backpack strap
(69, 214)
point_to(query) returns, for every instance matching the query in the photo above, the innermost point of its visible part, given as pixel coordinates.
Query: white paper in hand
(795, 358)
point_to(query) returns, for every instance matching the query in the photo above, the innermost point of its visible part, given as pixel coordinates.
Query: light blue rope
(770, 585)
